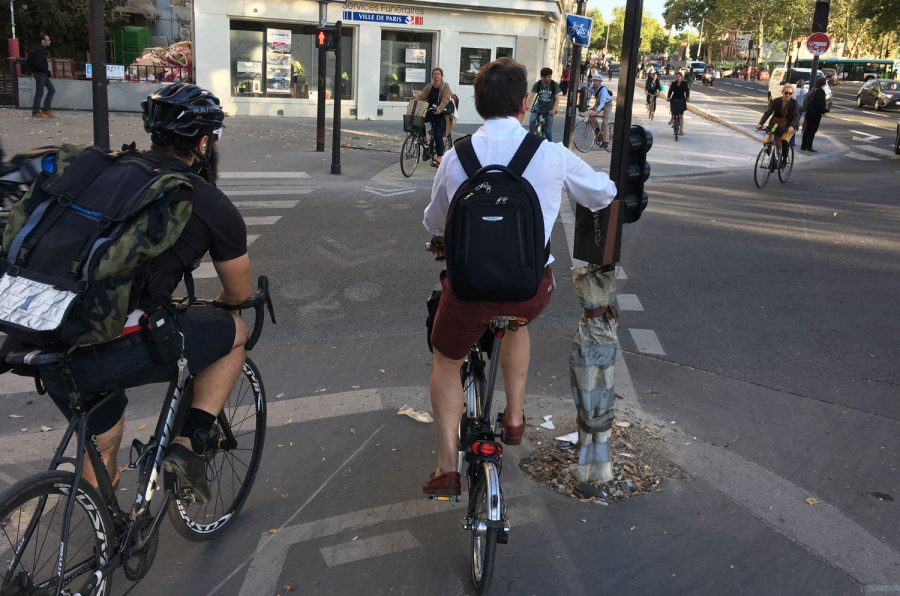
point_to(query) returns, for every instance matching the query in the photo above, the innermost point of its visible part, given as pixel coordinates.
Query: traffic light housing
(634, 199)
(325, 38)
(820, 17)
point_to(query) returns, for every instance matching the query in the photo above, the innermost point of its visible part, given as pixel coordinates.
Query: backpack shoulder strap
(525, 152)
(466, 154)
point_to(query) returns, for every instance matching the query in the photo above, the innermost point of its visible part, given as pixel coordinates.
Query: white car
(780, 78)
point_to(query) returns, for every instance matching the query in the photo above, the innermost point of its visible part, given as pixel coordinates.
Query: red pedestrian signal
(325, 38)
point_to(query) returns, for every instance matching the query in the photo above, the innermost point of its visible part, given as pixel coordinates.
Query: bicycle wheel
(609, 138)
(583, 136)
(651, 108)
(232, 459)
(484, 538)
(409, 155)
(31, 517)
(784, 172)
(676, 126)
(761, 170)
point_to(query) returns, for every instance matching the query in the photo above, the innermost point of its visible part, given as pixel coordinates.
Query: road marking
(646, 341)
(205, 270)
(388, 192)
(876, 150)
(620, 272)
(261, 193)
(265, 204)
(864, 136)
(7, 479)
(366, 548)
(861, 157)
(265, 220)
(629, 302)
(251, 238)
(10, 383)
(263, 175)
(346, 256)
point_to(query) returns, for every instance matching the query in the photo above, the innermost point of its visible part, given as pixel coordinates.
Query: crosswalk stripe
(263, 220)
(263, 193)
(262, 175)
(204, 271)
(646, 341)
(251, 238)
(265, 204)
(629, 302)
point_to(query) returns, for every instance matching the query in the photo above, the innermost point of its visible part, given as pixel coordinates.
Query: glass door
(474, 52)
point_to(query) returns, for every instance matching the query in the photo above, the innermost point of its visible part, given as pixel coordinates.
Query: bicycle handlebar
(259, 302)
(435, 246)
(34, 358)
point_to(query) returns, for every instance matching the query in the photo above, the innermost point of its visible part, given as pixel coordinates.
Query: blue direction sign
(579, 29)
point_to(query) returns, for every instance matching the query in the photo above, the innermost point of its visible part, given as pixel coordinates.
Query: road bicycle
(60, 535)
(540, 124)
(678, 119)
(480, 450)
(419, 144)
(770, 159)
(651, 106)
(585, 137)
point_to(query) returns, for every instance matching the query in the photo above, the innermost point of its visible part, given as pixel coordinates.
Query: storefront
(260, 57)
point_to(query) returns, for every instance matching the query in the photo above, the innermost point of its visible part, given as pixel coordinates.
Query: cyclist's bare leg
(108, 445)
(213, 384)
(515, 353)
(447, 401)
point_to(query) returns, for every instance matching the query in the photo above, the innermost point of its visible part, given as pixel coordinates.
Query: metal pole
(320, 104)
(700, 40)
(338, 91)
(12, 19)
(98, 75)
(574, 70)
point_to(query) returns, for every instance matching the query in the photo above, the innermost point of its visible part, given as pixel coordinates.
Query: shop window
(281, 60)
(505, 53)
(407, 58)
(470, 62)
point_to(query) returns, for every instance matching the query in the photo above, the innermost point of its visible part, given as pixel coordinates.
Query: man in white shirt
(603, 106)
(501, 89)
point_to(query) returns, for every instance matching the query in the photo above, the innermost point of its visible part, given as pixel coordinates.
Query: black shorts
(125, 362)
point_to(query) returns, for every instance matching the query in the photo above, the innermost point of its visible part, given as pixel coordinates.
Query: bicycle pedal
(452, 499)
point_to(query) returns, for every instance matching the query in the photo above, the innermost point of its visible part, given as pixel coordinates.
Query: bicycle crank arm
(154, 527)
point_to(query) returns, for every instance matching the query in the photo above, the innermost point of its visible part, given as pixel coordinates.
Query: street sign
(818, 44)
(742, 42)
(579, 29)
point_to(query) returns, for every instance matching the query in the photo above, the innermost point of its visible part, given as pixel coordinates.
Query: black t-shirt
(677, 91)
(434, 96)
(215, 226)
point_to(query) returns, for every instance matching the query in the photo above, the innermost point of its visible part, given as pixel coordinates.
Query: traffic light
(325, 37)
(820, 17)
(634, 199)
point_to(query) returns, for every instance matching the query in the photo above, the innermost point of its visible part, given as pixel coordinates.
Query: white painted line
(265, 204)
(204, 271)
(262, 193)
(620, 272)
(10, 383)
(251, 238)
(876, 150)
(263, 175)
(366, 548)
(266, 220)
(863, 136)
(7, 479)
(861, 157)
(646, 341)
(629, 302)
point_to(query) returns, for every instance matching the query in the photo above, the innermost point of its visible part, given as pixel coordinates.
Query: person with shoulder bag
(437, 94)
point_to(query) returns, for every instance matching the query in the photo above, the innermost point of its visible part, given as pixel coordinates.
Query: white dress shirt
(552, 169)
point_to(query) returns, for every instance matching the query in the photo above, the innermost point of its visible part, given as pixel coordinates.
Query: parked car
(880, 93)
(780, 78)
(832, 75)
(697, 69)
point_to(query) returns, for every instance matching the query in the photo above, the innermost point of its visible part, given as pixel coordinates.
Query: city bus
(861, 69)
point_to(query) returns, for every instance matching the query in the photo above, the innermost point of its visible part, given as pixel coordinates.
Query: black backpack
(494, 235)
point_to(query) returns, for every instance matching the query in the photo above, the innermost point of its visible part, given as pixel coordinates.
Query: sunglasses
(788, 93)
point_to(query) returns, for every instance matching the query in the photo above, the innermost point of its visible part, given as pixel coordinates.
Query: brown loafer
(446, 485)
(512, 435)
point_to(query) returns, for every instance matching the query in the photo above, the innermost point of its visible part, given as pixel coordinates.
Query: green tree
(598, 31)
(884, 15)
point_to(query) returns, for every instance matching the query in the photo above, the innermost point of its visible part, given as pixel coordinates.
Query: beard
(208, 167)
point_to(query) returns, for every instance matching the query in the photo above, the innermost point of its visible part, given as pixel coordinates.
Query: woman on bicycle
(652, 87)
(678, 94)
(438, 94)
(786, 116)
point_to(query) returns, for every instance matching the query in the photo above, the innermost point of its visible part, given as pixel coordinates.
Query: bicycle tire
(583, 136)
(90, 520)
(484, 545)
(761, 169)
(409, 155)
(247, 401)
(784, 172)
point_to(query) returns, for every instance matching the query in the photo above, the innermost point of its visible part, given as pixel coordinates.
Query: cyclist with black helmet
(184, 122)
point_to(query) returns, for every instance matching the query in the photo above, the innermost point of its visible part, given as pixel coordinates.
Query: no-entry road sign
(818, 44)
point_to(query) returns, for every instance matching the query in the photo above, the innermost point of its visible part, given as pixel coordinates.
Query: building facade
(260, 57)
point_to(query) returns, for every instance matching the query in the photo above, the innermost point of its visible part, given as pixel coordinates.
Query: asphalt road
(759, 331)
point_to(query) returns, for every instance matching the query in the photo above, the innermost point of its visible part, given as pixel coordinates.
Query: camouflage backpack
(78, 242)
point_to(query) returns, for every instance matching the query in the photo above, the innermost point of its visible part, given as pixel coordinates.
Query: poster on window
(415, 75)
(278, 61)
(415, 55)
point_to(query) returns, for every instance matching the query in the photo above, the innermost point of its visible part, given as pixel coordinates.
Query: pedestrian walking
(815, 109)
(584, 69)
(564, 82)
(40, 69)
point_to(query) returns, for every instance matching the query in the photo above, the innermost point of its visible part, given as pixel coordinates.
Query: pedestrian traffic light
(325, 38)
(634, 199)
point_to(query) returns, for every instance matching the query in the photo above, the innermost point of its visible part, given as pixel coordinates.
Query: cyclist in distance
(501, 90)
(183, 121)
(784, 113)
(680, 92)
(602, 106)
(438, 94)
(653, 86)
(547, 91)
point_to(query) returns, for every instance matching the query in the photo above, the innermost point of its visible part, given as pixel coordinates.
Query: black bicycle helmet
(182, 109)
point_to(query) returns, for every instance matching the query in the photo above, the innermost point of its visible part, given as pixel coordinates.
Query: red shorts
(459, 323)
